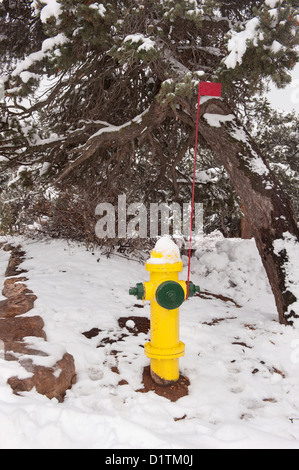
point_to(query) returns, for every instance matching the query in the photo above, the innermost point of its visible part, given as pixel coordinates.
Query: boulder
(15, 329)
(16, 258)
(13, 350)
(53, 382)
(15, 286)
(17, 305)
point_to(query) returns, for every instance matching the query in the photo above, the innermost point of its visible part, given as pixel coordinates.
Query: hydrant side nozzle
(193, 289)
(138, 291)
(133, 291)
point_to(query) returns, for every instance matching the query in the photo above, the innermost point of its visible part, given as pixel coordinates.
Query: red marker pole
(204, 89)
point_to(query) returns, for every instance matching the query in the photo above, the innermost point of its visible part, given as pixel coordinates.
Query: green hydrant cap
(170, 295)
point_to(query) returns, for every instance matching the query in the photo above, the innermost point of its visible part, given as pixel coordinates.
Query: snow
(146, 45)
(99, 7)
(239, 134)
(21, 170)
(238, 43)
(271, 3)
(255, 162)
(165, 251)
(45, 167)
(111, 128)
(275, 16)
(215, 120)
(207, 176)
(26, 76)
(276, 47)
(289, 244)
(52, 8)
(47, 46)
(251, 34)
(241, 363)
(258, 166)
(130, 324)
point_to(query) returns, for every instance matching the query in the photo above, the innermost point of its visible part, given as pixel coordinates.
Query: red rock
(16, 258)
(15, 329)
(52, 382)
(13, 349)
(15, 286)
(17, 305)
(46, 380)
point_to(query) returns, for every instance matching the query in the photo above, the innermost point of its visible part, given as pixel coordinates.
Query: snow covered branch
(111, 136)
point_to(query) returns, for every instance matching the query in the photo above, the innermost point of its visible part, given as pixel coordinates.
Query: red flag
(210, 89)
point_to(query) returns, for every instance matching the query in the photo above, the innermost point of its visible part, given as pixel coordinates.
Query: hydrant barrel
(166, 294)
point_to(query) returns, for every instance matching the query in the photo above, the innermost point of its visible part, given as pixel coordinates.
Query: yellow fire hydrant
(166, 293)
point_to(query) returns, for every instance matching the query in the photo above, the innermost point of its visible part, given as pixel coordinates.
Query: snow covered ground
(242, 364)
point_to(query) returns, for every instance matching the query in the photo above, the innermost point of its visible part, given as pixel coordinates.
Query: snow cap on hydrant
(166, 293)
(165, 251)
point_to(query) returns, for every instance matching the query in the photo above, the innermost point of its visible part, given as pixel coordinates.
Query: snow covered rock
(15, 286)
(17, 305)
(47, 368)
(49, 381)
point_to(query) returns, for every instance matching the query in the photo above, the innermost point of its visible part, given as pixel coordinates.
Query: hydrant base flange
(165, 363)
(164, 353)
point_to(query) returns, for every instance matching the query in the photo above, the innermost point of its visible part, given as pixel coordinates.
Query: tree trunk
(267, 208)
(246, 230)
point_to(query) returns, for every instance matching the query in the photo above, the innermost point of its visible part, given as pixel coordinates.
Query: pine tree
(119, 106)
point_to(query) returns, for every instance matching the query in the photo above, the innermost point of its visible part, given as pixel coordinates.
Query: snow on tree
(110, 97)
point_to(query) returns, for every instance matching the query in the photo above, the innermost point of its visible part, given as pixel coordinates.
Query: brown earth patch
(142, 324)
(209, 295)
(173, 392)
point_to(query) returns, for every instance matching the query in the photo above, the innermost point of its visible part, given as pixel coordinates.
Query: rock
(7, 247)
(15, 286)
(15, 329)
(17, 305)
(13, 350)
(53, 382)
(16, 258)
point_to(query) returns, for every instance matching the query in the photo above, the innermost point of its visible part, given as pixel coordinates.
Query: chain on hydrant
(166, 293)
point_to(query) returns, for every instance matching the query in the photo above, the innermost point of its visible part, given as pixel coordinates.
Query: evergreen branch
(117, 136)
